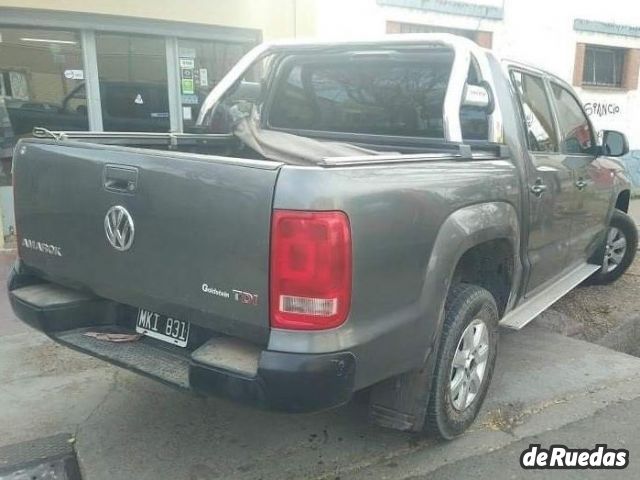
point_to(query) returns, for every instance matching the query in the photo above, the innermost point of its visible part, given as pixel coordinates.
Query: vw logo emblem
(118, 225)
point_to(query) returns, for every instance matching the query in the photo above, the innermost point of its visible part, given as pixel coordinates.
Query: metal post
(91, 81)
(173, 85)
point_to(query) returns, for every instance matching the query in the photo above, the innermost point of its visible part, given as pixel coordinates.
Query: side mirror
(614, 144)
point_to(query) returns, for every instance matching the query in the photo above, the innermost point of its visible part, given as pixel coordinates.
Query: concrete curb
(624, 338)
(48, 457)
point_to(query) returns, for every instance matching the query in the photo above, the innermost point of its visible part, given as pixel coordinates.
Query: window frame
(23, 71)
(171, 95)
(609, 49)
(562, 137)
(523, 121)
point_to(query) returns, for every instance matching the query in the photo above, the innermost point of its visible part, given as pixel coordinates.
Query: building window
(603, 66)
(132, 70)
(39, 71)
(482, 38)
(202, 65)
(609, 67)
(43, 79)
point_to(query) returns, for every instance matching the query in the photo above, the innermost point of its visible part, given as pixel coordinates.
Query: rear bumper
(285, 381)
(291, 382)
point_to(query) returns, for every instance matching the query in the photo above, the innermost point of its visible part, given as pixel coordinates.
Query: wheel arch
(489, 265)
(469, 235)
(401, 402)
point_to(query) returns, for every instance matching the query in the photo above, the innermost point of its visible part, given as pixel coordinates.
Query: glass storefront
(41, 70)
(95, 72)
(202, 65)
(132, 71)
(41, 74)
(44, 82)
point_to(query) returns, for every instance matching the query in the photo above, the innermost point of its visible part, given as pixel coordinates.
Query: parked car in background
(126, 107)
(365, 217)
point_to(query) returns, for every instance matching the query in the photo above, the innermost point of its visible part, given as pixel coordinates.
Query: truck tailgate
(200, 247)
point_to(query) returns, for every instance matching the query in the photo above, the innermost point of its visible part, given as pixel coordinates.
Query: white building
(594, 45)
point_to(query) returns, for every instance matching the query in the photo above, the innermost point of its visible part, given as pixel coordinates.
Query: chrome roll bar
(464, 51)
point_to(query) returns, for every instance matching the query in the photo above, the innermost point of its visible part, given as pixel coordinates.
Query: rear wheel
(465, 362)
(621, 242)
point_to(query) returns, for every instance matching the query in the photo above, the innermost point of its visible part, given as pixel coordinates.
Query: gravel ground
(601, 309)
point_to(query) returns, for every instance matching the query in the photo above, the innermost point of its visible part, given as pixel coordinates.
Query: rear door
(550, 183)
(200, 226)
(592, 180)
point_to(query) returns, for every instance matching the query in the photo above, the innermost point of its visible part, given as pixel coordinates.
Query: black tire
(626, 226)
(465, 303)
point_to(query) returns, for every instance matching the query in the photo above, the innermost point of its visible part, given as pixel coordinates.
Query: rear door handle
(120, 178)
(538, 188)
(581, 184)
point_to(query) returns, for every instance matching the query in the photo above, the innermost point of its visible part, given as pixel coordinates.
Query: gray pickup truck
(353, 217)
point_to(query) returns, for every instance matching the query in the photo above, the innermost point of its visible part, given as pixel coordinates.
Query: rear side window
(575, 128)
(381, 96)
(538, 121)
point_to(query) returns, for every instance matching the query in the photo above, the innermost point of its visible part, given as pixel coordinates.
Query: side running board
(534, 306)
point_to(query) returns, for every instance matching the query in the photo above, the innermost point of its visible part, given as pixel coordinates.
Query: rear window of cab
(384, 94)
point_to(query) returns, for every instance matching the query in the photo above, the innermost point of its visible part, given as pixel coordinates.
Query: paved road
(616, 426)
(127, 426)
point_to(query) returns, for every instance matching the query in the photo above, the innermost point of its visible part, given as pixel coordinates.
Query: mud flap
(401, 402)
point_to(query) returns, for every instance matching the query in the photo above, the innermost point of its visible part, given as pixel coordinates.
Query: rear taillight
(310, 269)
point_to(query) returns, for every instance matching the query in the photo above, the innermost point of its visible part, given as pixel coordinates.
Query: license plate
(163, 328)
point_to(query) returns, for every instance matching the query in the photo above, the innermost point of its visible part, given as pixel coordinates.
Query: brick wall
(578, 65)
(631, 68)
(482, 38)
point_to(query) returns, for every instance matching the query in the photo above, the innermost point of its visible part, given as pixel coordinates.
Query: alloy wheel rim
(469, 364)
(614, 250)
